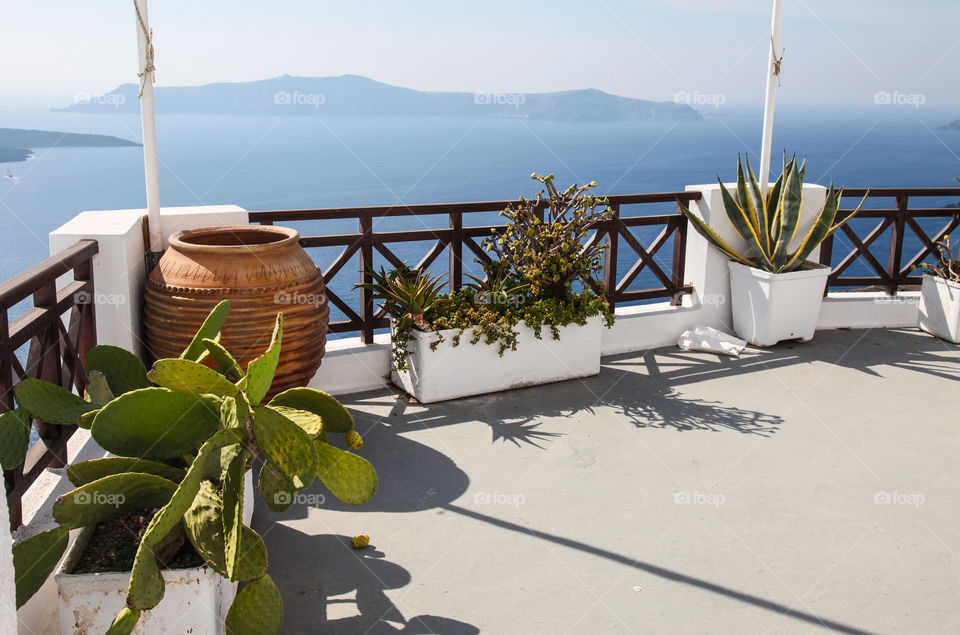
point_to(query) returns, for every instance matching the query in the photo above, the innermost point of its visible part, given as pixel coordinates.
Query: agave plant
(769, 224)
(408, 297)
(408, 294)
(501, 285)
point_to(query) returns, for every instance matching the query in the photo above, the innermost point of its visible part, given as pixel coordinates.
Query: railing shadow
(328, 587)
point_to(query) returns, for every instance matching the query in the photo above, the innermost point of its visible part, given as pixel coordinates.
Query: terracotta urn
(262, 270)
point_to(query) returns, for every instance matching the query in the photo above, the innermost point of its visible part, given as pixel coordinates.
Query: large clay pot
(262, 270)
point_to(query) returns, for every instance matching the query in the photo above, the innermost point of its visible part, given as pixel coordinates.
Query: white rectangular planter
(770, 307)
(474, 369)
(194, 600)
(940, 308)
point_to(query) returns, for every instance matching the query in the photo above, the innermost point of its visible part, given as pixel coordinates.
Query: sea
(269, 163)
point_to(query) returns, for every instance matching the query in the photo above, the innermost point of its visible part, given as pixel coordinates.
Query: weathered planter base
(465, 370)
(771, 307)
(194, 601)
(939, 312)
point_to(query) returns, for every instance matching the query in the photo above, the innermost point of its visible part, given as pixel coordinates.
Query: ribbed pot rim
(246, 239)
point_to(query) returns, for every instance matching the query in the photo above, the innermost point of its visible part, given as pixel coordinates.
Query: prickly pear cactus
(34, 560)
(184, 435)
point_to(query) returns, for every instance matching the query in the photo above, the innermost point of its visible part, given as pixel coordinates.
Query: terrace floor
(803, 488)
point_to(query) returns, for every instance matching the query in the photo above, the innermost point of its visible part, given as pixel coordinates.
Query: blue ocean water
(264, 163)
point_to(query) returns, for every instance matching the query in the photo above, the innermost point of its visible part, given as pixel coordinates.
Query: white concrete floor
(803, 488)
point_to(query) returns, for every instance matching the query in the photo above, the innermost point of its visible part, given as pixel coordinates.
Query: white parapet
(119, 270)
(8, 592)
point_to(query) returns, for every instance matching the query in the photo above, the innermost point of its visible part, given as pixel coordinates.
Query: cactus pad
(34, 560)
(204, 526)
(14, 438)
(156, 422)
(260, 371)
(82, 473)
(146, 583)
(124, 623)
(50, 403)
(225, 361)
(208, 330)
(286, 445)
(335, 417)
(109, 497)
(276, 490)
(184, 375)
(257, 609)
(348, 477)
(311, 423)
(98, 389)
(124, 370)
(232, 486)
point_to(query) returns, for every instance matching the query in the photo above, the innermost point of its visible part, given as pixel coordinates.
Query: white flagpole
(145, 49)
(773, 72)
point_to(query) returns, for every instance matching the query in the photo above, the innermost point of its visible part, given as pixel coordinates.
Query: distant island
(356, 95)
(17, 144)
(953, 125)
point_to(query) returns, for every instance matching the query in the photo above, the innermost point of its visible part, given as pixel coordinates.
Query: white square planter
(770, 307)
(940, 308)
(474, 369)
(194, 600)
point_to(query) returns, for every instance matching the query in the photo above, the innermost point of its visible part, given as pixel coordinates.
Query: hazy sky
(840, 52)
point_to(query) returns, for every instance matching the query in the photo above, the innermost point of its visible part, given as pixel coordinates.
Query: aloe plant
(184, 434)
(769, 223)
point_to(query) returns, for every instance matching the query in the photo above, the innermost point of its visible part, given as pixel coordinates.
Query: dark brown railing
(456, 236)
(56, 352)
(896, 273)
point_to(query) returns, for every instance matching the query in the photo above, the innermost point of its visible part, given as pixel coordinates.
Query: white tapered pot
(939, 312)
(772, 307)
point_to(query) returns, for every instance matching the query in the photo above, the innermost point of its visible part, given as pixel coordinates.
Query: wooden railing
(55, 351)
(893, 226)
(617, 234)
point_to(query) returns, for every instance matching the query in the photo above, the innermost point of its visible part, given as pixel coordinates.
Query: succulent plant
(947, 265)
(408, 295)
(184, 434)
(545, 239)
(769, 224)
